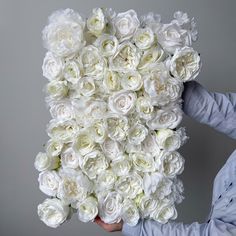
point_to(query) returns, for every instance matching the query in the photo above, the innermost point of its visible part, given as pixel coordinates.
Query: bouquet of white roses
(114, 94)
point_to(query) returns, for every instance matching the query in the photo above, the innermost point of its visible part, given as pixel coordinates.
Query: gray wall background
(23, 114)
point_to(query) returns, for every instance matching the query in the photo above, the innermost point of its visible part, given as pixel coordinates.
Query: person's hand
(109, 227)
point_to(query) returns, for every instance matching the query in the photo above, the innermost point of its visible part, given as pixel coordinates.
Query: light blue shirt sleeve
(218, 111)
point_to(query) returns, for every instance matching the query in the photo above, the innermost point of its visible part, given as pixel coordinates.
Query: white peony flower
(165, 211)
(144, 107)
(150, 145)
(110, 206)
(122, 102)
(52, 66)
(106, 180)
(111, 81)
(45, 162)
(54, 147)
(144, 38)
(172, 36)
(167, 117)
(185, 64)
(156, 185)
(94, 163)
(57, 89)
(62, 130)
(137, 133)
(126, 24)
(107, 44)
(87, 209)
(130, 213)
(131, 81)
(112, 149)
(73, 71)
(170, 164)
(143, 162)
(69, 158)
(129, 185)
(170, 140)
(121, 167)
(96, 22)
(53, 212)
(64, 34)
(117, 126)
(126, 58)
(92, 61)
(49, 182)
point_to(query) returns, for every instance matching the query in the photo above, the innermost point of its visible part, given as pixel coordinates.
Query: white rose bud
(45, 162)
(144, 107)
(144, 38)
(53, 212)
(54, 147)
(73, 71)
(126, 24)
(69, 159)
(87, 86)
(49, 182)
(131, 81)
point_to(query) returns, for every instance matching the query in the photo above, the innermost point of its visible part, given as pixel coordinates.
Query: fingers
(108, 227)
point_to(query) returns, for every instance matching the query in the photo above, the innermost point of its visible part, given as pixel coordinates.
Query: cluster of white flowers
(114, 94)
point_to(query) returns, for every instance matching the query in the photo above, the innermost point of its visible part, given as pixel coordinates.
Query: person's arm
(217, 110)
(215, 227)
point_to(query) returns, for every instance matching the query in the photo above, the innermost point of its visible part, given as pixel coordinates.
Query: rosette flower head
(185, 64)
(126, 24)
(64, 34)
(53, 212)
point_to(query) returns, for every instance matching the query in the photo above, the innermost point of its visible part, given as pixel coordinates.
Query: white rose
(144, 107)
(170, 140)
(172, 36)
(185, 64)
(45, 162)
(53, 212)
(129, 185)
(131, 81)
(54, 147)
(99, 131)
(143, 162)
(137, 133)
(57, 89)
(151, 58)
(94, 163)
(73, 71)
(87, 86)
(164, 212)
(147, 205)
(156, 185)
(96, 22)
(88, 209)
(121, 167)
(144, 38)
(72, 186)
(149, 145)
(92, 61)
(111, 81)
(170, 163)
(126, 24)
(112, 149)
(61, 110)
(106, 180)
(69, 159)
(49, 182)
(122, 102)
(64, 33)
(126, 58)
(110, 206)
(84, 142)
(130, 213)
(107, 44)
(167, 117)
(63, 130)
(52, 66)
(117, 127)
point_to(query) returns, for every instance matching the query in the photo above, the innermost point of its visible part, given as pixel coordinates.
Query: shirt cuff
(128, 230)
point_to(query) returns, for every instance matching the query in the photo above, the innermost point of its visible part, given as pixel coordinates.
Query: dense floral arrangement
(114, 94)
